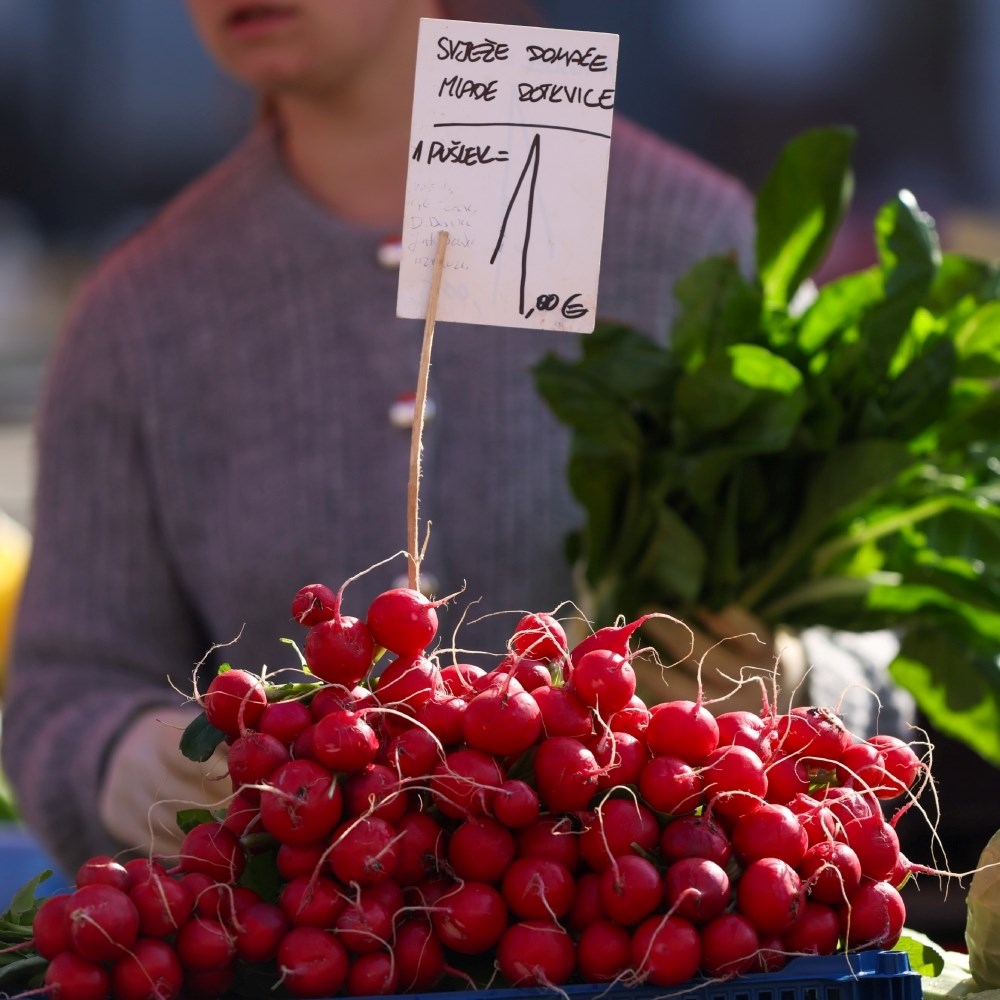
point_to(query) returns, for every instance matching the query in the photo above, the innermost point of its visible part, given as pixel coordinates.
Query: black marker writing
(461, 50)
(458, 152)
(590, 58)
(459, 86)
(558, 93)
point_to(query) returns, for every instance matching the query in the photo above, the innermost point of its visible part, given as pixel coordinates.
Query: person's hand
(728, 657)
(148, 780)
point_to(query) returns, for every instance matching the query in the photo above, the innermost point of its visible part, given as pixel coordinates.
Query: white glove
(725, 654)
(148, 780)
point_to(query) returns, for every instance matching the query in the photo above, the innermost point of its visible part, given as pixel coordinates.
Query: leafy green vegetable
(820, 455)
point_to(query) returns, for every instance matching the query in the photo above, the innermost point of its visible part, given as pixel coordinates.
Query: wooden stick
(416, 439)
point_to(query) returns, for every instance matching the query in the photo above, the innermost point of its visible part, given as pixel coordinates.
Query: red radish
(538, 888)
(414, 753)
(364, 925)
(254, 757)
(772, 954)
(819, 822)
(375, 791)
(315, 603)
(770, 894)
(744, 729)
(311, 901)
(303, 803)
(213, 850)
(621, 758)
(502, 721)
(901, 763)
(818, 732)
(614, 638)
(312, 962)
(551, 837)
(203, 943)
(481, 849)
(631, 889)
(876, 844)
(408, 682)
(729, 945)
(604, 951)
(618, 827)
(403, 621)
(260, 930)
(442, 715)
(860, 766)
(671, 785)
(460, 678)
(787, 777)
(516, 804)
(209, 984)
(666, 951)
(103, 870)
(684, 729)
(604, 680)
(874, 917)
(234, 701)
(374, 974)
(163, 905)
(566, 774)
(140, 869)
(769, 831)
(419, 956)
(243, 812)
(587, 908)
(530, 674)
(343, 741)
(563, 714)
(364, 851)
(831, 871)
(103, 922)
(695, 837)
(541, 637)
(420, 847)
(51, 927)
(285, 720)
(299, 859)
(332, 698)
(816, 932)
(470, 918)
(632, 719)
(465, 782)
(696, 889)
(735, 781)
(150, 971)
(340, 650)
(536, 953)
(70, 977)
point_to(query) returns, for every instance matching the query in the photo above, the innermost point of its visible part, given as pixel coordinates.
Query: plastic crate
(21, 859)
(865, 975)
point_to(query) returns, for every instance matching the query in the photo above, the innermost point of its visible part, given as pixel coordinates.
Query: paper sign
(509, 145)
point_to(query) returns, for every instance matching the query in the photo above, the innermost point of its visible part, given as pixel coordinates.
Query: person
(215, 429)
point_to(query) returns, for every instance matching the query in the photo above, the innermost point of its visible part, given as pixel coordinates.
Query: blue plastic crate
(21, 859)
(865, 975)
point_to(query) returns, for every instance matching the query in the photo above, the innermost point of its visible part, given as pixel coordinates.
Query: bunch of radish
(443, 826)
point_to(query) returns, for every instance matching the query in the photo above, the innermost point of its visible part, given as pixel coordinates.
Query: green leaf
(261, 874)
(838, 305)
(25, 901)
(200, 738)
(799, 208)
(188, 819)
(924, 955)
(675, 560)
(21, 972)
(978, 343)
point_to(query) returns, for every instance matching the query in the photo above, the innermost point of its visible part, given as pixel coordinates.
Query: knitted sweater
(214, 434)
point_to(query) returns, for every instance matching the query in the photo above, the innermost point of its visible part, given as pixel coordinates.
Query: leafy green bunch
(819, 454)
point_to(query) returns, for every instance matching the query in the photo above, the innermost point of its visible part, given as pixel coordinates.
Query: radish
(617, 827)
(311, 901)
(696, 889)
(163, 904)
(70, 977)
(735, 781)
(684, 729)
(254, 757)
(563, 714)
(613, 637)
(442, 715)
(465, 782)
(375, 791)
(203, 943)
(312, 962)
(769, 831)
(408, 682)
(632, 719)
(419, 956)
(819, 732)
(900, 762)
(587, 907)
(213, 850)
(234, 701)
(541, 637)
(566, 774)
(374, 974)
(502, 721)
(209, 984)
(481, 849)
(260, 931)
(742, 728)
(470, 918)
(103, 870)
(315, 603)
(729, 945)
(365, 851)
(420, 847)
(695, 837)
(50, 927)
(516, 804)
(552, 837)
(604, 951)
(103, 922)
(620, 757)
(666, 951)
(816, 932)
(831, 871)
(770, 893)
(339, 650)
(364, 925)
(332, 698)
(604, 680)
(529, 673)
(631, 889)
(671, 785)
(403, 621)
(151, 971)
(302, 803)
(414, 753)
(876, 844)
(460, 678)
(299, 859)
(284, 720)
(538, 888)
(536, 953)
(787, 777)
(343, 741)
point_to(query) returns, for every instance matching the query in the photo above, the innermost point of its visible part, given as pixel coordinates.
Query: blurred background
(108, 107)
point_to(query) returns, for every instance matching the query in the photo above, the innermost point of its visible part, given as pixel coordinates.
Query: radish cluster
(537, 819)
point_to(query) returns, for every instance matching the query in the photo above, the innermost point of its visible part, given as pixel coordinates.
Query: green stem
(818, 591)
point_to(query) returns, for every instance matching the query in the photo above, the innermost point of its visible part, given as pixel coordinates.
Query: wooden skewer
(416, 440)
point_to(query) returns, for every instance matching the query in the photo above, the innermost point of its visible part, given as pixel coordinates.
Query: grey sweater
(214, 434)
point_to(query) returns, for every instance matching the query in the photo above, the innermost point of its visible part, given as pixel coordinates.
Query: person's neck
(351, 157)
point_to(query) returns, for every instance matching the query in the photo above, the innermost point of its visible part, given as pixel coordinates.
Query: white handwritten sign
(509, 145)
